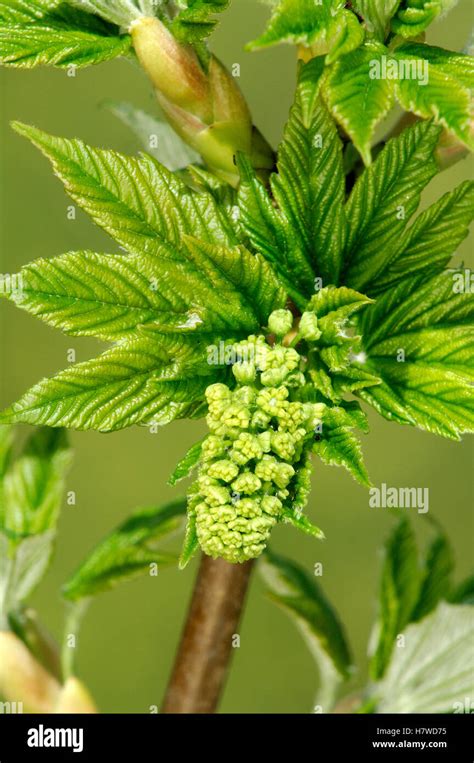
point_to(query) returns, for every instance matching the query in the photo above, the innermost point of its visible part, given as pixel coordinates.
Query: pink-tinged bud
(450, 149)
(173, 68)
(23, 679)
(203, 104)
(75, 698)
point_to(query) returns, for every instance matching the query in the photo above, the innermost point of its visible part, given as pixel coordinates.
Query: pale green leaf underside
(128, 551)
(434, 672)
(157, 137)
(431, 385)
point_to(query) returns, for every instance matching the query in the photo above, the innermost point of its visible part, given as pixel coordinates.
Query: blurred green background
(129, 636)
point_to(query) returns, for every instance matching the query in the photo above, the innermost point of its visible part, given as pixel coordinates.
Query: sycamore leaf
(383, 199)
(399, 593)
(195, 19)
(356, 100)
(321, 27)
(418, 338)
(31, 490)
(128, 551)
(140, 203)
(436, 577)
(157, 137)
(304, 236)
(414, 16)
(145, 380)
(111, 296)
(298, 22)
(187, 464)
(446, 94)
(34, 484)
(292, 588)
(434, 672)
(428, 245)
(51, 33)
(377, 15)
(339, 446)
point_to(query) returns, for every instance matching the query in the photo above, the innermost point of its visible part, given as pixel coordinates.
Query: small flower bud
(308, 327)
(280, 322)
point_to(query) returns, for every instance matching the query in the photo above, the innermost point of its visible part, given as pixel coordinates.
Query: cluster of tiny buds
(255, 461)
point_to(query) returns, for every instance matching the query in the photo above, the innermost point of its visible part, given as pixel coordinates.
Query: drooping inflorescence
(255, 467)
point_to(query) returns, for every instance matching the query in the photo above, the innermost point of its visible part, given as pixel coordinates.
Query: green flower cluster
(255, 465)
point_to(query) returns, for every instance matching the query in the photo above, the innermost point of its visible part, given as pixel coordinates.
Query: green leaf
(339, 446)
(383, 199)
(111, 296)
(446, 94)
(51, 33)
(187, 464)
(195, 20)
(31, 491)
(191, 542)
(128, 551)
(436, 577)
(399, 593)
(430, 386)
(141, 381)
(356, 100)
(298, 22)
(6, 441)
(434, 671)
(305, 235)
(34, 484)
(428, 245)
(296, 591)
(463, 593)
(414, 16)
(377, 15)
(344, 35)
(140, 203)
(157, 137)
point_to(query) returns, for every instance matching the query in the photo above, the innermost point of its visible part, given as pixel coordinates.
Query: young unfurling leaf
(128, 551)
(31, 490)
(294, 590)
